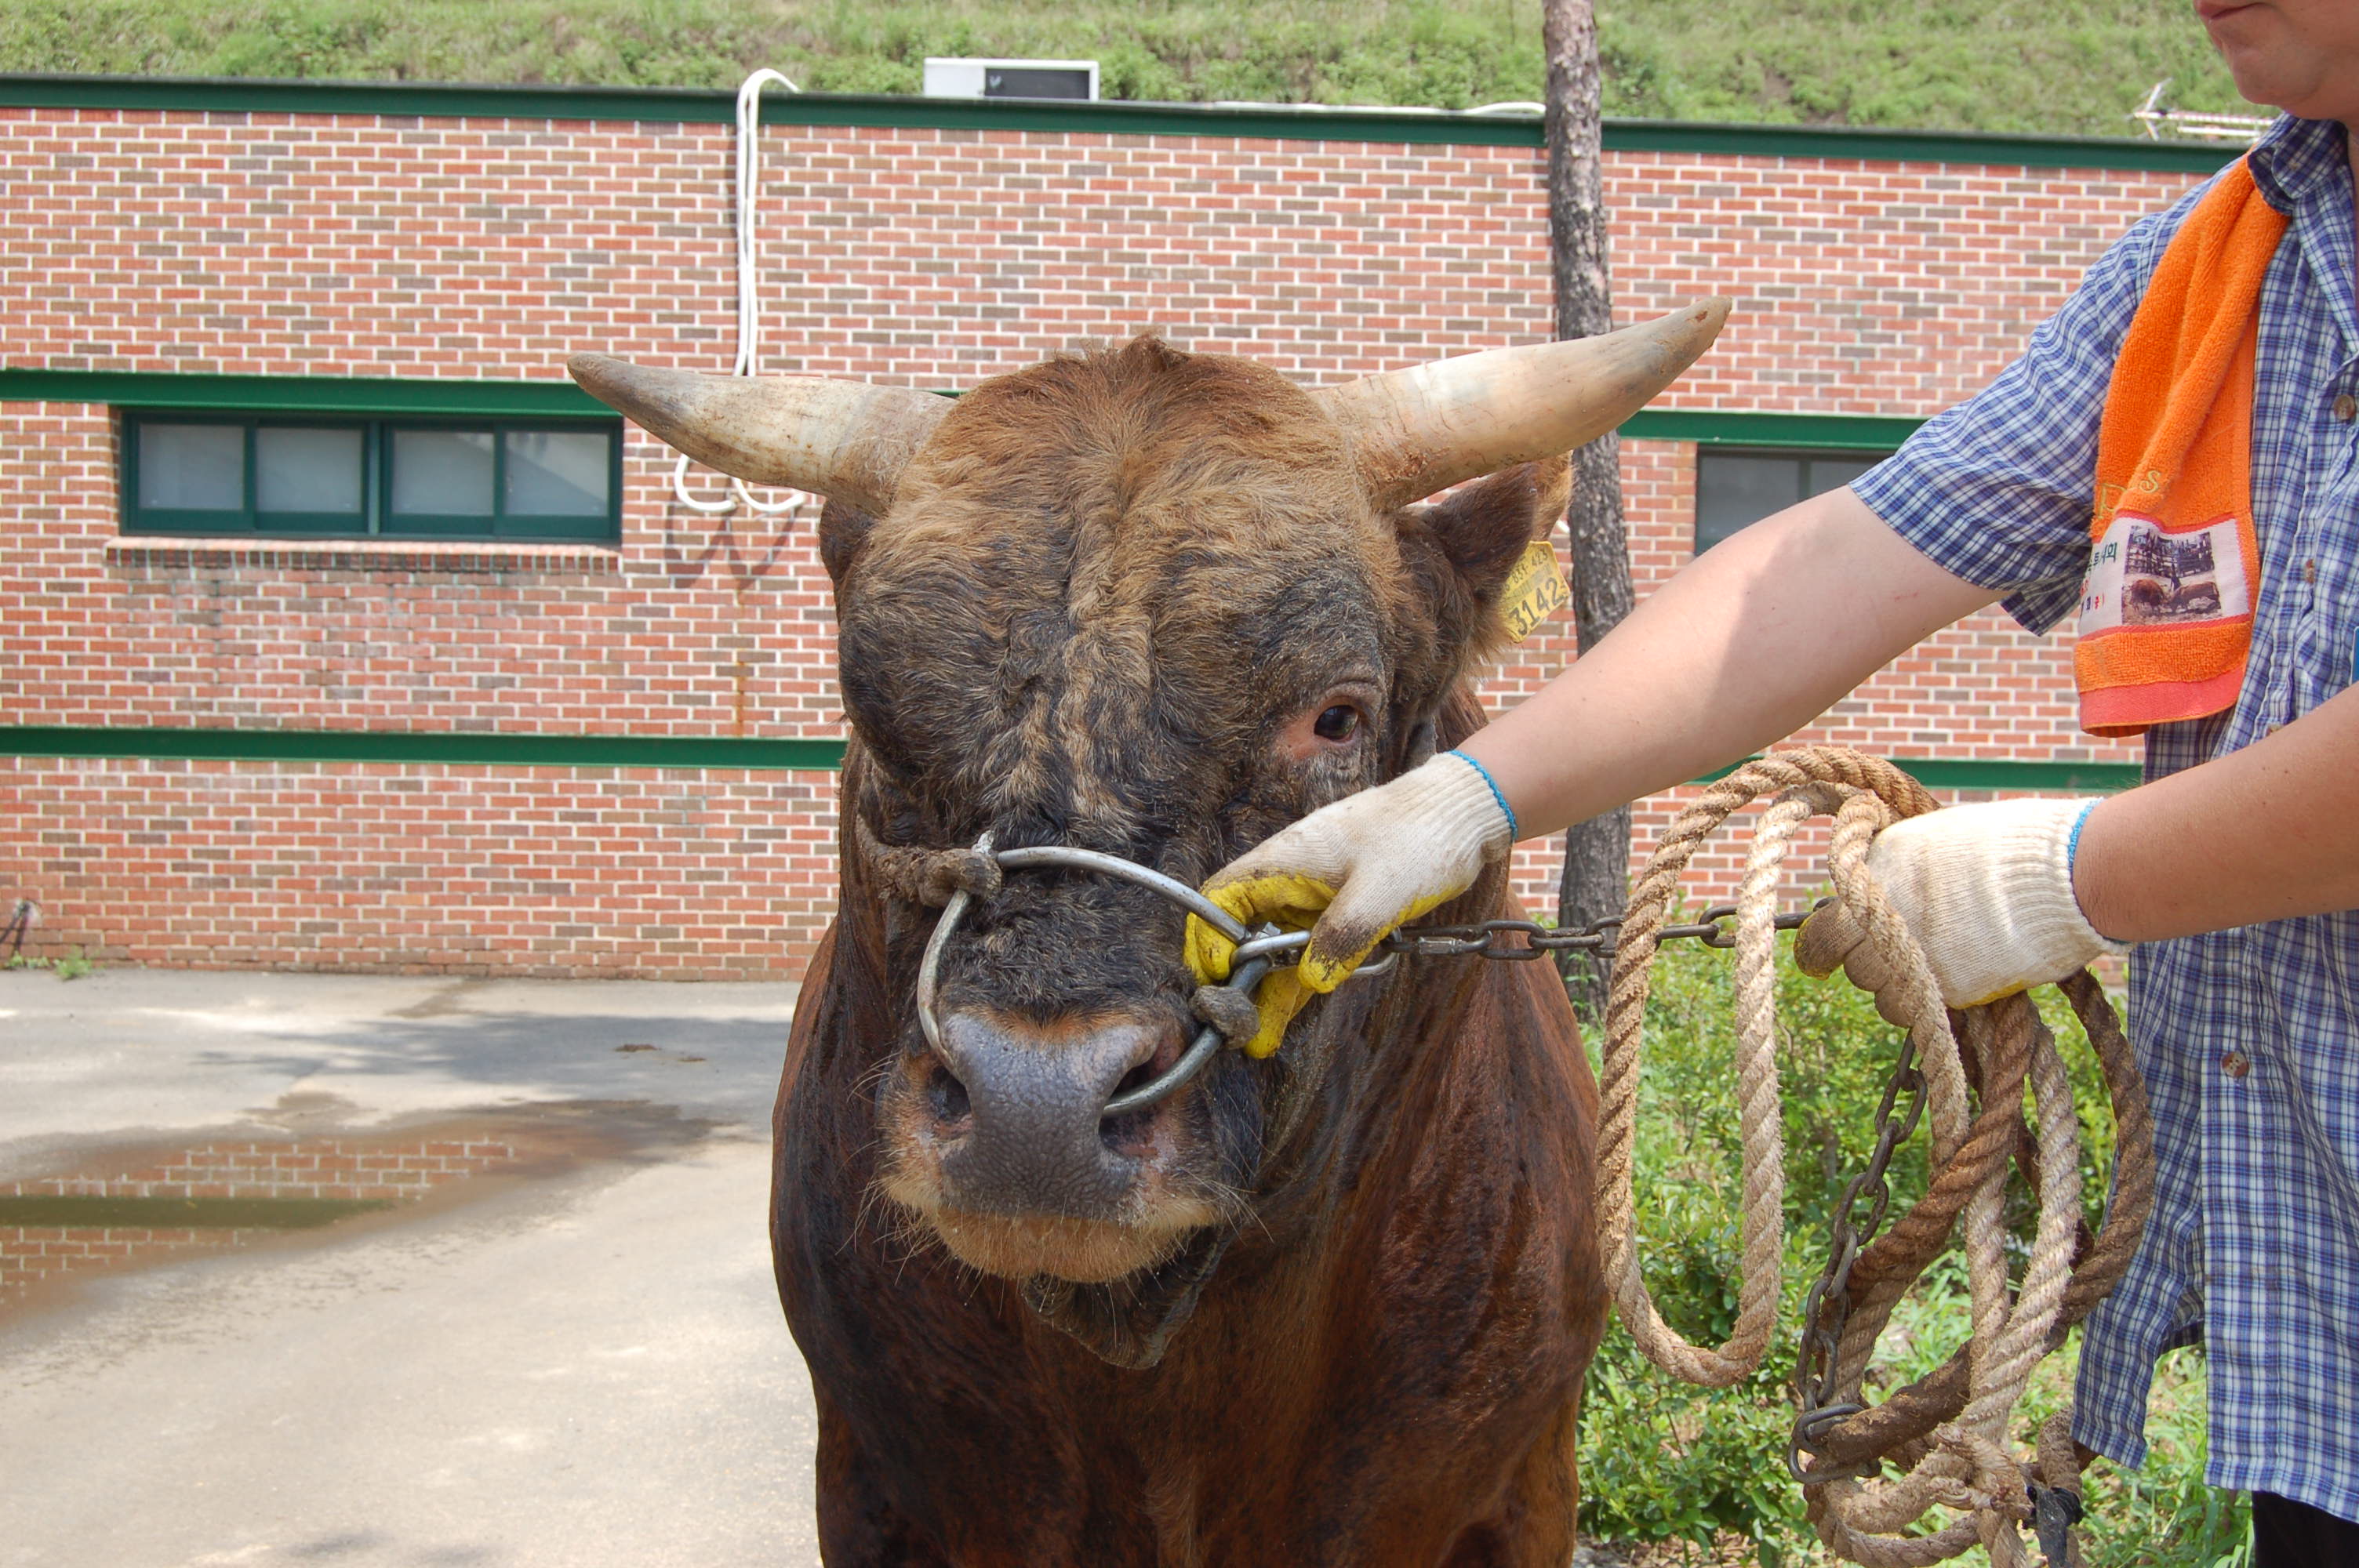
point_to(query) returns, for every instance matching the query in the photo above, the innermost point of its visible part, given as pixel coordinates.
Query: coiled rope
(1946, 1436)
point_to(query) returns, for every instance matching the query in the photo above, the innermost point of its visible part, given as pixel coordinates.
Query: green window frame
(1814, 471)
(376, 515)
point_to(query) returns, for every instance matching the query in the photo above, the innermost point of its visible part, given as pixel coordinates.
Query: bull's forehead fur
(1104, 581)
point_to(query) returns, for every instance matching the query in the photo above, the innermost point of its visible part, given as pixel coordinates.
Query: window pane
(1833, 473)
(192, 468)
(557, 474)
(442, 473)
(1732, 491)
(307, 471)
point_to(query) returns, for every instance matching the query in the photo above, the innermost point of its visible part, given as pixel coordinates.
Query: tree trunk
(1595, 883)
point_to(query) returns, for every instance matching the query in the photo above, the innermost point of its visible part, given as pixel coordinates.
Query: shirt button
(2310, 570)
(2235, 1064)
(2346, 408)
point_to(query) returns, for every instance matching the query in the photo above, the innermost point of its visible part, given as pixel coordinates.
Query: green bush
(1665, 1461)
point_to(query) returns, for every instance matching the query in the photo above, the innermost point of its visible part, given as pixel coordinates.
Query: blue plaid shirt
(2249, 1038)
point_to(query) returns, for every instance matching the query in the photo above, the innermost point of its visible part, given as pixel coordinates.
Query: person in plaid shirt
(2235, 867)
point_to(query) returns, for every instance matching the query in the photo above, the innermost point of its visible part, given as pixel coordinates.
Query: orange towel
(2166, 608)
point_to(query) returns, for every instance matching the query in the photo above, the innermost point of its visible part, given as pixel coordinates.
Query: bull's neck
(1399, 1059)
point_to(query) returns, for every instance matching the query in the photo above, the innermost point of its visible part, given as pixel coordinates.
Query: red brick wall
(361, 245)
(686, 873)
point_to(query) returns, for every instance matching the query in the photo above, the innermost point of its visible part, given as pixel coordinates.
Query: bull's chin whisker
(909, 1239)
(1246, 1218)
(875, 1201)
(1231, 1206)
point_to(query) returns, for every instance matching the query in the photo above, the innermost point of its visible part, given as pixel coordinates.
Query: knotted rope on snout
(1228, 1010)
(929, 877)
(1947, 1435)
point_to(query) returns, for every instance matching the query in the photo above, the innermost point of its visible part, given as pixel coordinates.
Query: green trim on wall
(1715, 426)
(424, 395)
(218, 96)
(259, 95)
(1975, 773)
(2002, 774)
(1278, 122)
(1876, 144)
(181, 744)
(169, 391)
(796, 754)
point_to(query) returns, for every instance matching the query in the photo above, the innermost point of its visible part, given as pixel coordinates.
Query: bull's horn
(1419, 430)
(837, 438)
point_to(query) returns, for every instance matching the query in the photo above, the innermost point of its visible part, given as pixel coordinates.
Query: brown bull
(1331, 1307)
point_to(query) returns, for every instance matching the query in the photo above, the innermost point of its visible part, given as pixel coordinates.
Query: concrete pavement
(576, 1365)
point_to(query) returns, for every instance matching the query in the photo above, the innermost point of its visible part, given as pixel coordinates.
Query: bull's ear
(843, 528)
(1483, 529)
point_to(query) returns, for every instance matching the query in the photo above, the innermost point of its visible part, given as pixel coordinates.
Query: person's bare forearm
(2266, 833)
(1747, 645)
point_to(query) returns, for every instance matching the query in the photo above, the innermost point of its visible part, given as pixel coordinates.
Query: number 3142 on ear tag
(1534, 591)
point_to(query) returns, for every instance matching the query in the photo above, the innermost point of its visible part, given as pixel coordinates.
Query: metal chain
(1827, 1309)
(1498, 938)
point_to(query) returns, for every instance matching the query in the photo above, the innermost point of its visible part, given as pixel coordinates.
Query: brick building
(343, 633)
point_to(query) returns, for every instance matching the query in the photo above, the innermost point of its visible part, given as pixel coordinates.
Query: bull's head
(1159, 605)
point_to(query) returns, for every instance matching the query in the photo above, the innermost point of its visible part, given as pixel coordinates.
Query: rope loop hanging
(749, 293)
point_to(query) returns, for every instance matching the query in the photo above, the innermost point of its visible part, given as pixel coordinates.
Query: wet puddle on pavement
(136, 1205)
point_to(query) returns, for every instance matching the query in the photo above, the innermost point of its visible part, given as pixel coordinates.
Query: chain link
(1827, 1309)
(1516, 941)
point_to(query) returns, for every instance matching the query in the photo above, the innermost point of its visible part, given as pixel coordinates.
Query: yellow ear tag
(1534, 591)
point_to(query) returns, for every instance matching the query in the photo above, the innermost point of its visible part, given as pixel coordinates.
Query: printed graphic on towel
(2140, 576)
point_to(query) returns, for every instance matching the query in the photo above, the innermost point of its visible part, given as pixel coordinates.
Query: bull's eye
(1332, 730)
(1340, 722)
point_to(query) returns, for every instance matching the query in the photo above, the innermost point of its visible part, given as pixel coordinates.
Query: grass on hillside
(2059, 66)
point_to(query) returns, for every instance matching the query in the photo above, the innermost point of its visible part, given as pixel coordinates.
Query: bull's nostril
(1119, 1133)
(945, 1096)
(1124, 1134)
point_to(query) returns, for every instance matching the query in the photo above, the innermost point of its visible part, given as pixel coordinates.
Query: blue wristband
(1498, 794)
(2071, 845)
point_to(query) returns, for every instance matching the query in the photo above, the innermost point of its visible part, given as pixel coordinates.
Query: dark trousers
(2287, 1534)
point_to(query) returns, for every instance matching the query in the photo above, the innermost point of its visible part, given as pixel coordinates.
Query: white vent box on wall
(1011, 78)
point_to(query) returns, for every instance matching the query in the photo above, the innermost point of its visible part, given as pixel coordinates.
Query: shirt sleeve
(1999, 489)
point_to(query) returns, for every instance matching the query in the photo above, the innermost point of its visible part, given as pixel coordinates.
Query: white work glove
(1987, 891)
(1352, 871)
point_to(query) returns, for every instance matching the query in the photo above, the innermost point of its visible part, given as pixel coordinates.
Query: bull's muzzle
(1034, 1139)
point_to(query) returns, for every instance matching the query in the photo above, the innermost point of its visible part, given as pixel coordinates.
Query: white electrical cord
(749, 289)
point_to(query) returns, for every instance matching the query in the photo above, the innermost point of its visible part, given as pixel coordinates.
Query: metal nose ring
(1257, 952)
